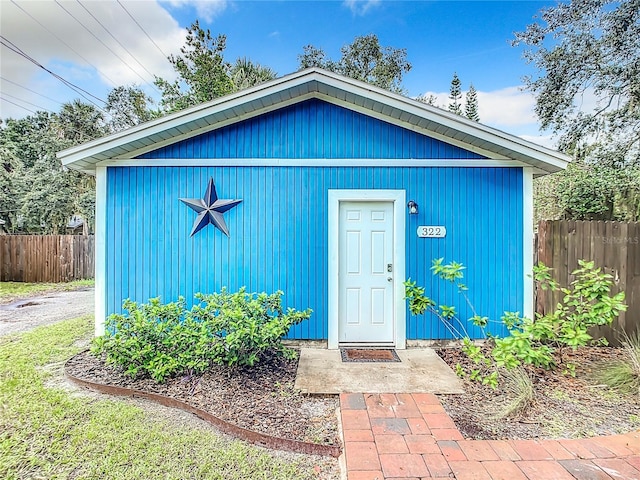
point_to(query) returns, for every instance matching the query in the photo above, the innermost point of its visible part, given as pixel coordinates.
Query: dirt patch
(50, 307)
(262, 398)
(563, 406)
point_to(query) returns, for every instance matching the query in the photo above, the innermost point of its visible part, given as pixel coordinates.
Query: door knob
(389, 279)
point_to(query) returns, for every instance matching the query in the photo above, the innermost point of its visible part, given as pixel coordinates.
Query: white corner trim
(527, 239)
(100, 250)
(398, 197)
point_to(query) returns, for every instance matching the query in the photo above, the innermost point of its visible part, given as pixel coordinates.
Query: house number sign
(432, 231)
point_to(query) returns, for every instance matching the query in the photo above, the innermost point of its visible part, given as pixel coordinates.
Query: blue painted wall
(279, 231)
(279, 235)
(312, 129)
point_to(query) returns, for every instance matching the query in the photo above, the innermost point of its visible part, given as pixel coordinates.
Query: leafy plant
(586, 303)
(165, 340)
(246, 326)
(419, 303)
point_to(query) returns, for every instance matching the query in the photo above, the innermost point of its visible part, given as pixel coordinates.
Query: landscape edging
(250, 436)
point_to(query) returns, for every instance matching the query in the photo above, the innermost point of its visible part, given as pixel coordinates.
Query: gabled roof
(303, 85)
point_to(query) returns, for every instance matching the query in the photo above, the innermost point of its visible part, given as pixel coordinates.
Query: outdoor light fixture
(413, 207)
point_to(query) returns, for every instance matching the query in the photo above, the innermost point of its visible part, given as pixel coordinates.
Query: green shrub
(165, 340)
(246, 326)
(586, 303)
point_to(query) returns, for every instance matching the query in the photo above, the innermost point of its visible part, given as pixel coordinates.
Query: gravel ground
(29, 313)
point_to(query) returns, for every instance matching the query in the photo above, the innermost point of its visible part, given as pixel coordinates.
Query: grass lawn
(48, 432)
(12, 290)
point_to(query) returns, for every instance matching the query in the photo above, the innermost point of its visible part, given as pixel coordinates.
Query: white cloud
(205, 9)
(510, 109)
(360, 7)
(92, 65)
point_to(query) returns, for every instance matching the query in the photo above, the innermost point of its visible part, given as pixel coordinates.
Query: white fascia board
(221, 124)
(156, 127)
(463, 125)
(308, 81)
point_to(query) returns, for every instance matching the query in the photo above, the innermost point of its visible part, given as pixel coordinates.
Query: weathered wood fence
(613, 246)
(46, 258)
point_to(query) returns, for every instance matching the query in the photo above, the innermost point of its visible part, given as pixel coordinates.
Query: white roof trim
(328, 86)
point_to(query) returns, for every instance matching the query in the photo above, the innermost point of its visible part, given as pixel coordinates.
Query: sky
(100, 44)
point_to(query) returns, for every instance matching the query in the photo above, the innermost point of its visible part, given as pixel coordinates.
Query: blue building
(346, 191)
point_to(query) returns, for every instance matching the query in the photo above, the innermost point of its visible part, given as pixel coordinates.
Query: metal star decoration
(210, 209)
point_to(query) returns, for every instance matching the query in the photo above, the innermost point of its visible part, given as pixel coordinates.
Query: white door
(366, 273)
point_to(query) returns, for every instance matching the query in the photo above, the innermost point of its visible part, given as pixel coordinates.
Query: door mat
(368, 355)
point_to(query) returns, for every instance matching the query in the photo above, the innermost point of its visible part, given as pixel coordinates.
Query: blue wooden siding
(279, 235)
(312, 129)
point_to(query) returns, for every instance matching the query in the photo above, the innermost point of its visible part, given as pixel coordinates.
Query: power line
(79, 90)
(19, 106)
(30, 90)
(143, 30)
(66, 44)
(66, 127)
(118, 42)
(29, 103)
(104, 44)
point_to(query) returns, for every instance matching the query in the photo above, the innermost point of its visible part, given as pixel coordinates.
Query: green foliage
(455, 95)
(586, 303)
(419, 303)
(36, 194)
(202, 71)
(588, 93)
(588, 48)
(245, 73)
(471, 104)
(50, 432)
(589, 191)
(204, 74)
(128, 106)
(364, 59)
(165, 340)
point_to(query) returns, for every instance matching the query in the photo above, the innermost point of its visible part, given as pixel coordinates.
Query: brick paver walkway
(409, 436)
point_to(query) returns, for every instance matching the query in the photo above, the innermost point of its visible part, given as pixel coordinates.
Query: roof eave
(319, 82)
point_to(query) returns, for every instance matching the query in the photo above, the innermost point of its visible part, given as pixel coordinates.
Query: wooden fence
(46, 258)
(613, 246)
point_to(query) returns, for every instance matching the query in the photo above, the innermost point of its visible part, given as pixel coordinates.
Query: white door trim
(398, 197)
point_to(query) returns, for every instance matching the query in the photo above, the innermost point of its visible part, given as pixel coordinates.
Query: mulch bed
(563, 406)
(262, 398)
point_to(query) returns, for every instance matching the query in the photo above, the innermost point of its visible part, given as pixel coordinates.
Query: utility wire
(83, 135)
(79, 90)
(118, 42)
(105, 45)
(113, 83)
(143, 30)
(14, 103)
(28, 103)
(28, 89)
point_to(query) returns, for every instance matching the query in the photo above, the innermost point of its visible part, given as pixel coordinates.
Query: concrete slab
(421, 370)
